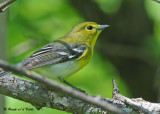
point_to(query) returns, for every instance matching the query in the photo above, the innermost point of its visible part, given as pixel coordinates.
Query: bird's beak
(103, 27)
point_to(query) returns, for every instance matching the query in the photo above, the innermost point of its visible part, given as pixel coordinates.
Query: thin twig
(157, 1)
(4, 5)
(61, 88)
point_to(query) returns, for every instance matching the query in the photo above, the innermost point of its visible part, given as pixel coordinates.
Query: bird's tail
(3, 72)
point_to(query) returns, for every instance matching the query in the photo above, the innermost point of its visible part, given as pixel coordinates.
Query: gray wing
(54, 53)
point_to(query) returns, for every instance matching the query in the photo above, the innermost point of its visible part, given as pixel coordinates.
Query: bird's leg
(62, 80)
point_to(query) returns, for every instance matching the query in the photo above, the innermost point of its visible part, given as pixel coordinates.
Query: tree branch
(4, 5)
(61, 88)
(64, 98)
(39, 96)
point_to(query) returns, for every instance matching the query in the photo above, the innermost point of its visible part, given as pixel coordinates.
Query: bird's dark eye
(89, 27)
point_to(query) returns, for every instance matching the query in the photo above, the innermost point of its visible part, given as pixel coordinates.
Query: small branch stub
(137, 105)
(115, 88)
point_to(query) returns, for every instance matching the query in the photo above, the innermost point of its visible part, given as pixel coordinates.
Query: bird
(66, 55)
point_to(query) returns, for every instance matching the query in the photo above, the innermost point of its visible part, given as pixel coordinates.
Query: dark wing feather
(56, 52)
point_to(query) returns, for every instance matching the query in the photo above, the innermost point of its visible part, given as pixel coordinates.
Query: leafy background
(33, 23)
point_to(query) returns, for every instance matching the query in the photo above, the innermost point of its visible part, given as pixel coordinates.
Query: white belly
(59, 70)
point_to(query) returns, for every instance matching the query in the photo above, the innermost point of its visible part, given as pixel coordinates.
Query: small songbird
(66, 55)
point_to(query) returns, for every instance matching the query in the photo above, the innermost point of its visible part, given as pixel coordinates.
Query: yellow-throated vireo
(66, 55)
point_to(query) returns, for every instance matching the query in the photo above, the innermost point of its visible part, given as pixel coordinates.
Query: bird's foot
(78, 89)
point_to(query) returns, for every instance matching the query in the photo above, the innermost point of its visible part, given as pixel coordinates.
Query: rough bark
(41, 96)
(53, 85)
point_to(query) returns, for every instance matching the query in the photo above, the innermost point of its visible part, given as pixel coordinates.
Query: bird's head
(87, 32)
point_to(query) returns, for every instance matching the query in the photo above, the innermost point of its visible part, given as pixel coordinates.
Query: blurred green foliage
(34, 23)
(153, 11)
(109, 6)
